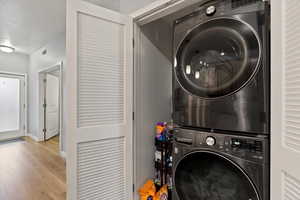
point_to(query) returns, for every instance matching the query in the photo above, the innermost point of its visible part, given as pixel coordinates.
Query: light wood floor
(32, 171)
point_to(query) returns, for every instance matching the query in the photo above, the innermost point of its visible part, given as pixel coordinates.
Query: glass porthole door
(204, 175)
(217, 58)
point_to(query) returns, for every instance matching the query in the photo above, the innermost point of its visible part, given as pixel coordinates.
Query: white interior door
(52, 106)
(99, 81)
(285, 105)
(12, 106)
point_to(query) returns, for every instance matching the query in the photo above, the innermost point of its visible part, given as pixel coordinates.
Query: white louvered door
(99, 81)
(285, 101)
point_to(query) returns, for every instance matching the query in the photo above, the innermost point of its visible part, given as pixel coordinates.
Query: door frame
(23, 122)
(159, 9)
(41, 96)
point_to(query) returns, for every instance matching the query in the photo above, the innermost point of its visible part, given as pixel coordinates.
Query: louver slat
(292, 76)
(291, 187)
(101, 170)
(100, 72)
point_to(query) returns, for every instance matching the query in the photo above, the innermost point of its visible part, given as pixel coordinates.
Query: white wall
(129, 6)
(125, 6)
(110, 4)
(38, 62)
(14, 62)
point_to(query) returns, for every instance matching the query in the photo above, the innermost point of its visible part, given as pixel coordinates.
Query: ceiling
(28, 25)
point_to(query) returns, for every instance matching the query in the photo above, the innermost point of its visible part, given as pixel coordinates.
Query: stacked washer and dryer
(221, 101)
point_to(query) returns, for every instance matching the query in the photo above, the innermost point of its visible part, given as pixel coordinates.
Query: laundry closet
(217, 55)
(113, 109)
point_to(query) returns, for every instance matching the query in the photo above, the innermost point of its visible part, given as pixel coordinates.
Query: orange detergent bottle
(147, 192)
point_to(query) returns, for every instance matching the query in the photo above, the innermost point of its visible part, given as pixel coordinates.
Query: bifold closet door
(99, 80)
(285, 100)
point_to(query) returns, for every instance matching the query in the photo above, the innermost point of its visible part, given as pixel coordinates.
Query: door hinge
(133, 188)
(133, 116)
(44, 105)
(44, 130)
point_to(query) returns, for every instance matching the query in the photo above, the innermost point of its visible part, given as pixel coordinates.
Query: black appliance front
(220, 167)
(221, 68)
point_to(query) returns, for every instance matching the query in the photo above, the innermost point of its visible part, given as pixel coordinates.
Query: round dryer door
(217, 58)
(204, 175)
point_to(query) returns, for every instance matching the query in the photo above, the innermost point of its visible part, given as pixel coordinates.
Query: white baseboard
(63, 154)
(35, 138)
(5, 137)
(48, 138)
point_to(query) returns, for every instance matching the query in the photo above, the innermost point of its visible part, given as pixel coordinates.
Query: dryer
(221, 67)
(214, 166)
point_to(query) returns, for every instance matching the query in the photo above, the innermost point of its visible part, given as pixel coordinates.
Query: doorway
(12, 105)
(50, 98)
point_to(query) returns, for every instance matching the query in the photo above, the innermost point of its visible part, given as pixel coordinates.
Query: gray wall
(153, 94)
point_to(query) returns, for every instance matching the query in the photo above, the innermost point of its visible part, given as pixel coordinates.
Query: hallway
(31, 170)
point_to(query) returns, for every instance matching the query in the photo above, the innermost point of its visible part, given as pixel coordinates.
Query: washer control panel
(247, 144)
(249, 148)
(245, 147)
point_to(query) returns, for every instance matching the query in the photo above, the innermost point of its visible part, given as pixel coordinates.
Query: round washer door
(217, 58)
(204, 175)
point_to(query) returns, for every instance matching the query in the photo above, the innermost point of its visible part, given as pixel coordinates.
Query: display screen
(251, 145)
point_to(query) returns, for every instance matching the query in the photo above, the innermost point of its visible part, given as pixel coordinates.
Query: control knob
(211, 10)
(210, 141)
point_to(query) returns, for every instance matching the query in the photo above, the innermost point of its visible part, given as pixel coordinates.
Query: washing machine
(210, 166)
(221, 70)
